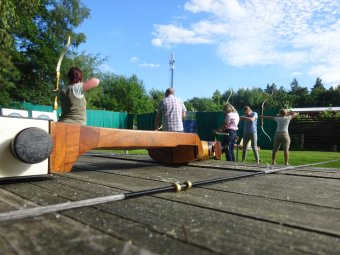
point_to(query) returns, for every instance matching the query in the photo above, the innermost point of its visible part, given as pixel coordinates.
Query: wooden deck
(292, 212)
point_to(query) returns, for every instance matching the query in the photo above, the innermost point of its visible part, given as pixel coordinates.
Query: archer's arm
(248, 118)
(90, 84)
(292, 114)
(266, 117)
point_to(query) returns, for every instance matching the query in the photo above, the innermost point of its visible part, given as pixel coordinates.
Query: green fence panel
(34, 107)
(96, 118)
(207, 122)
(146, 121)
(108, 119)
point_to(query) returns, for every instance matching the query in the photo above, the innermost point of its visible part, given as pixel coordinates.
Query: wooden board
(71, 141)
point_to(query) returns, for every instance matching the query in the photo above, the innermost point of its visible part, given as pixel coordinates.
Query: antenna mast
(172, 67)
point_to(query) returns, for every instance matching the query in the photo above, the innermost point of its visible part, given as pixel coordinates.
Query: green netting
(109, 119)
(146, 121)
(207, 122)
(96, 118)
(34, 107)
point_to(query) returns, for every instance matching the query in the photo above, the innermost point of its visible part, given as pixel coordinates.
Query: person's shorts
(281, 138)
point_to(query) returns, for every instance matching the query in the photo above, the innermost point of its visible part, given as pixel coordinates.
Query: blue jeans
(228, 145)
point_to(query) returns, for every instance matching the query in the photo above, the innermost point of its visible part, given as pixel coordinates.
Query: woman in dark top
(72, 97)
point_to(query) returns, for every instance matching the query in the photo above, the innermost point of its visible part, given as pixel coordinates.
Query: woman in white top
(281, 135)
(230, 128)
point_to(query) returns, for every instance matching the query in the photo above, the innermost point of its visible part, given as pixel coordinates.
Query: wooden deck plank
(286, 201)
(148, 214)
(48, 234)
(264, 207)
(201, 227)
(248, 216)
(305, 189)
(112, 225)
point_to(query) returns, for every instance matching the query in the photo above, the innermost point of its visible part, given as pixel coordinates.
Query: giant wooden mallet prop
(62, 144)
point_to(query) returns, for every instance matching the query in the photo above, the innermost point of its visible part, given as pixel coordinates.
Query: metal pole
(172, 67)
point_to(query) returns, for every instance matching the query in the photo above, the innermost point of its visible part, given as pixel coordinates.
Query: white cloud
(149, 65)
(291, 33)
(328, 73)
(294, 74)
(145, 65)
(134, 59)
(221, 8)
(106, 68)
(167, 35)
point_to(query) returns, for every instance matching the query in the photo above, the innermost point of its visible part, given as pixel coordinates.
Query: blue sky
(218, 44)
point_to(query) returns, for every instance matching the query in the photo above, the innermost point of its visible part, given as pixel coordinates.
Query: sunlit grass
(296, 157)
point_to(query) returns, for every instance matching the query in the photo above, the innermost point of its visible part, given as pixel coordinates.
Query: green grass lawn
(296, 157)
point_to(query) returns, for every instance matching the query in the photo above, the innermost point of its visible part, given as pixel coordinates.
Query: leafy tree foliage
(156, 96)
(217, 97)
(13, 14)
(123, 94)
(297, 96)
(201, 105)
(35, 32)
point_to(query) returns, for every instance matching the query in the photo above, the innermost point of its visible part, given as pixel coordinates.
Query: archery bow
(262, 113)
(231, 93)
(56, 90)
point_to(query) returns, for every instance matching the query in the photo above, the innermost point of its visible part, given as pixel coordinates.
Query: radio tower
(172, 67)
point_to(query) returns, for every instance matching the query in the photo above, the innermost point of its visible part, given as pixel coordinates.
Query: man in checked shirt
(171, 112)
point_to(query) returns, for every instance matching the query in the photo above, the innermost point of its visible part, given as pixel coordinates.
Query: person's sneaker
(287, 164)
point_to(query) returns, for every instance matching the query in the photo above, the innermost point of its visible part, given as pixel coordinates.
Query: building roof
(316, 109)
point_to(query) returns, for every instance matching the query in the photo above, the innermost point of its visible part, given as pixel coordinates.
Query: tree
(11, 14)
(201, 105)
(251, 97)
(299, 96)
(270, 89)
(318, 86)
(40, 29)
(294, 86)
(217, 97)
(123, 94)
(282, 99)
(317, 93)
(156, 96)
